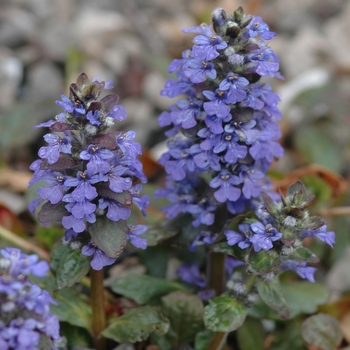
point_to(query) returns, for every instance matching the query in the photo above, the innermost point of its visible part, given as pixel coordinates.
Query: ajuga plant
(224, 134)
(25, 318)
(89, 177)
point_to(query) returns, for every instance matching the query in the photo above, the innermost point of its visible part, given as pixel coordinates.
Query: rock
(11, 74)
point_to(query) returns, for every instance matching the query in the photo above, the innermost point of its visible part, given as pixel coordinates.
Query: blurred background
(45, 44)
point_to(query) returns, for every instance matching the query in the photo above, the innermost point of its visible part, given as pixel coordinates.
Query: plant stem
(217, 272)
(218, 341)
(217, 282)
(98, 307)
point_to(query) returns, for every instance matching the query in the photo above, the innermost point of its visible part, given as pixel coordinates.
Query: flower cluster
(25, 319)
(89, 171)
(282, 227)
(226, 123)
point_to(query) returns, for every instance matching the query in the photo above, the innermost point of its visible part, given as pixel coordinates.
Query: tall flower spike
(89, 171)
(25, 317)
(226, 125)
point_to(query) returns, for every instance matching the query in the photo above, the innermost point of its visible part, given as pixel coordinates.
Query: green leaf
(68, 265)
(251, 335)
(203, 339)
(234, 250)
(288, 337)
(136, 325)
(263, 262)
(154, 234)
(185, 313)
(269, 203)
(109, 236)
(304, 297)
(224, 314)
(322, 332)
(76, 336)
(144, 289)
(72, 308)
(271, 293)
(303, 254)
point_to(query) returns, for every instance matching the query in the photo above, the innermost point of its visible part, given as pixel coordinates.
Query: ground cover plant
(228, 266)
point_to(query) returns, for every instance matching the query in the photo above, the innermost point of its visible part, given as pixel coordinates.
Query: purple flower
(177, 64)
(54, 192)
(183, 159)
(250, 179)
(234, 83)
(204, 237)
(174, 88)
(127, 146)
(133, 236)
(210, 139)
(242, 238)
(203, 29)
(97, 157)
(25, 307)
(117, 183)
(252, 99)
(116, 211)
(80, 210)
(258, 26)
(214, 123)
(118, 113)
(199, 70)
(24, 264)
(94, 117)
(226, 183)
(185, 112)
(203, 210)
(142, 202)
(206, 47)
(246, 132)
(218, 104)
(300, 268)
(83, 186)
(190, 273)
(231, 264)
(264, 236)
(229, 143)
(100, 259)
(321, 233)
(71, 107)
(57, 144)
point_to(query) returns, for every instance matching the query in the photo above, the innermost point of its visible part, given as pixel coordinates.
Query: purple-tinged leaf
(107, 140)
(60, 127)
(109, 102)
(52, 212)
(124, 198)
(65, 161)
(109, 236)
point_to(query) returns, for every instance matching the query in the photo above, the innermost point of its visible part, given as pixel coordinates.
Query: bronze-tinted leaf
(107, 140)
(60, 127)
(65, 161)
(108, 102)
(52, 212)
(124, 198)
(109, 236)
